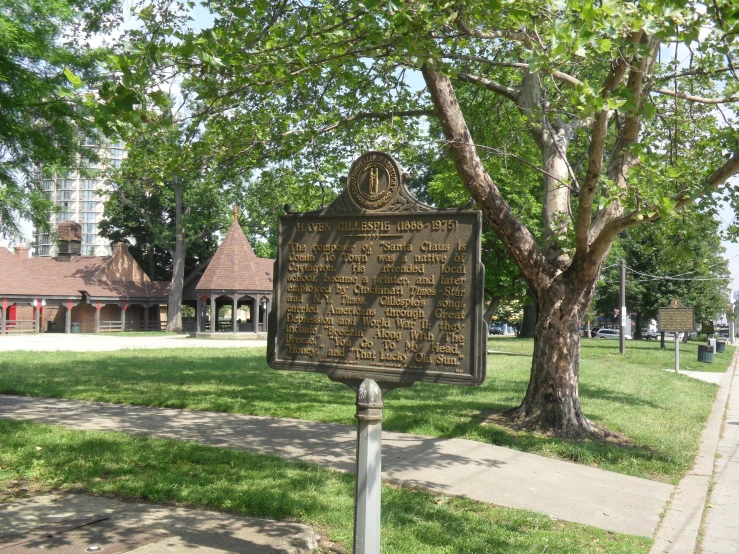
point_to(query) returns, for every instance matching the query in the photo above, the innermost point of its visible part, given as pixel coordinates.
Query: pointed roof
(234, 266)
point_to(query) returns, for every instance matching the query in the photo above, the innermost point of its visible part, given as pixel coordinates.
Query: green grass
(43, 458)
(660, 412)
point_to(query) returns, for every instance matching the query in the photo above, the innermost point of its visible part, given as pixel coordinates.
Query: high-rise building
(80, 194)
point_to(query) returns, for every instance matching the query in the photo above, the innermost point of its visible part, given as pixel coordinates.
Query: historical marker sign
(379, 286)
(676, 318)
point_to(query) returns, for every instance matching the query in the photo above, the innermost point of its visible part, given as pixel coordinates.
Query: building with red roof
(95, 292)
(233, 277)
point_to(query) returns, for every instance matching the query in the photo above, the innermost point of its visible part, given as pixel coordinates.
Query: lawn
(38, 458)
(661, 413)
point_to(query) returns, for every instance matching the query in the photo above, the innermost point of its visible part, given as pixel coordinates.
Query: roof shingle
(235, 266)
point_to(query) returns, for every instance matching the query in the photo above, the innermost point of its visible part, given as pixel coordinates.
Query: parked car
(609, 334)
(649, 334)
(495, 330)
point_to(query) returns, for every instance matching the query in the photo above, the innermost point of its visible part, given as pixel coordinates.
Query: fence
(114, 326)
(146, 325)
(17, 326)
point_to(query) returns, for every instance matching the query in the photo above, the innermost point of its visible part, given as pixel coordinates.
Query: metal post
(36, 316)
(4, 316)
(677, 353)
(369, 468)
(146, 317)
(198, 314)
(234, 329)
(68, 319)
(123, 316)
(213, 313)
(622, 334)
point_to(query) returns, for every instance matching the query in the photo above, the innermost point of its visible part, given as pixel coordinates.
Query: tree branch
(699, 99)
(517, 239)
(490, 35)
(569, 79)
(497, 88)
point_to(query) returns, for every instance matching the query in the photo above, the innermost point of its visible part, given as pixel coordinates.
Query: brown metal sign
(676, 317)
(393, 293)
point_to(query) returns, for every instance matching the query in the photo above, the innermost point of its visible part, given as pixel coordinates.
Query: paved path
(679, 531)
(118, 527)
(705, 376)
(460, 467)
(53, 342)
(721, 521)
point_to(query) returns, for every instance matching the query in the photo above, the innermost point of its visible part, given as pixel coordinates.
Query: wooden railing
(146, 325)
(114, 326)
(15, 326)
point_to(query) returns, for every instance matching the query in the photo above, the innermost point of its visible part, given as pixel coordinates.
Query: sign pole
(622, 334)
(369, 468)
(677, 353)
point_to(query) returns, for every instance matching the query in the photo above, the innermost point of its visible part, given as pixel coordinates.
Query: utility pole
(622, 334)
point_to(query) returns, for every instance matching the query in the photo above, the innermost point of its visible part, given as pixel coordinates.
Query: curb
(678, 532)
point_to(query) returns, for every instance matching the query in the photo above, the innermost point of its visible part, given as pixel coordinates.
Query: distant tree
(44, 60)
(681, 257)
(167, 198)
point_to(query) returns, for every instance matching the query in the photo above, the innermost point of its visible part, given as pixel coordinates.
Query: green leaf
(72, 78)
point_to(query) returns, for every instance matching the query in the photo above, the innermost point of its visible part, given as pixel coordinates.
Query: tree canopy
(630, 108)
(44, 55)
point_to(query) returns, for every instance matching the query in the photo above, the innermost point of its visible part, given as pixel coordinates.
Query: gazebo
(234, 276)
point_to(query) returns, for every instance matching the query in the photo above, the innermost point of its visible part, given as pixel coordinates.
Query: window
(89, 217)
(44, 250)
(65, 216)
(90, 184)
(90, 195)
(90, 206)
(89, 239)
(64, 195)
(89, 228)
(65, 184)
(44, 238)
(115, 163)
(47, 184)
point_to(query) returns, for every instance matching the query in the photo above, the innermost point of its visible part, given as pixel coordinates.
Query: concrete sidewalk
(56, 342)
(459, 467)
(80, 523)
(721, 517)
(690, 507)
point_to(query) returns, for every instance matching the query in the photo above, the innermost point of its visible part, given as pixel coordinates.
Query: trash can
(720, 346)
(705, 354)
(75, 327)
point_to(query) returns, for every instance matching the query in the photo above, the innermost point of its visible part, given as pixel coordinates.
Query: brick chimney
(21, 251)
(69, 238)
(119, 248)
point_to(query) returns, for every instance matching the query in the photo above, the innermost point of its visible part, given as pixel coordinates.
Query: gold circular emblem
(374, 181)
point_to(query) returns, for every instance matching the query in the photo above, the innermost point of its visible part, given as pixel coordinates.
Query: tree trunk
(528, 323)
(662, 340)
(174, 301)
(552, 401)
(637, 333)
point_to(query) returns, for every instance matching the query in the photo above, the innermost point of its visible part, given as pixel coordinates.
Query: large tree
(44, 55)
(604, 90)
(169, 200)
